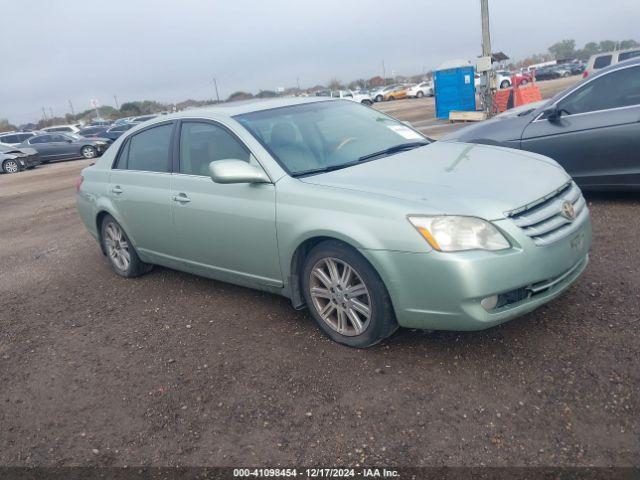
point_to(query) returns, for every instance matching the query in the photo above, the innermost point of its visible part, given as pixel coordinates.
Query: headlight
(455, 234)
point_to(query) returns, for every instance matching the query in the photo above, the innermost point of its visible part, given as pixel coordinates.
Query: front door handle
(182, 198)
(117, 189)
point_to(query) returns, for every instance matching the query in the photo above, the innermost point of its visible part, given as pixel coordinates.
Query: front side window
(602, 61)
(58, 138)
(620, 88)
(40, 139)
(148, 150)
(322, 136)
(202, 143)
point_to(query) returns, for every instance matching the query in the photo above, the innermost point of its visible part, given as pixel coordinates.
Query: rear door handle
(182, 198)
(117, 189)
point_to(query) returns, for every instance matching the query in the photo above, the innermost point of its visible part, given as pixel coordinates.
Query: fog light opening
(489, 303)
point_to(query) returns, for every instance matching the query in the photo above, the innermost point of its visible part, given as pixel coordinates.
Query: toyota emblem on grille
(568, 211)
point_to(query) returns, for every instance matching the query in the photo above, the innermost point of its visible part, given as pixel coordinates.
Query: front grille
(544, 220)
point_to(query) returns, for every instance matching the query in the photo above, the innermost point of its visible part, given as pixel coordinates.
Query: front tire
(420, 94)
(122, 255)
(346, 296)
(505, 84)
(89, 152)
(10, 166)
(368, 103)
(379, 98)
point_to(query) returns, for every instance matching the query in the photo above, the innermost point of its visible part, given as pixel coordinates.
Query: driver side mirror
(236, 171)
(552, 114)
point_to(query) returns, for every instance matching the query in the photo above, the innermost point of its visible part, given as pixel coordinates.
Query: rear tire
(355, 305)
(379, 98)
(119, 250)
(505, 84)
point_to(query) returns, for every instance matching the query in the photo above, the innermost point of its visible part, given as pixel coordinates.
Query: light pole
(215, 84)
(489, 76)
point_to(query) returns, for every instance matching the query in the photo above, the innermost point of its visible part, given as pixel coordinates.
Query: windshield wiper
(330, 168)
(391, 150)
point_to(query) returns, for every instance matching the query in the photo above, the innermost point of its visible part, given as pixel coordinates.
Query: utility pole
(51, 112)
(298, 82)
(115, 97)
(384, 73)
(215, 84)
(44, 114)
(489, 76)
(73, 112)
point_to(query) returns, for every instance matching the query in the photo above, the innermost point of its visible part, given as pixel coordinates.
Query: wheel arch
(297, 261)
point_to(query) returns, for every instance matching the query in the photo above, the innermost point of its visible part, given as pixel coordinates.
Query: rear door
(226, 231)
(140, 190)
(597, 137)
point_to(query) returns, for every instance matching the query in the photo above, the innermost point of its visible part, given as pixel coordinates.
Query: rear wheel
(10, 166)
(119, 250)
(379, 98)
(88, 151)
(346, 296)
(505, 84)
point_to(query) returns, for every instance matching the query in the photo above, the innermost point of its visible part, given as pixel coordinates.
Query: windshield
(322, 136)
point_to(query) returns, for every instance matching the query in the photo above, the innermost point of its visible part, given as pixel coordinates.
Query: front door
(227, 231)
(140, 190)
(597, 136)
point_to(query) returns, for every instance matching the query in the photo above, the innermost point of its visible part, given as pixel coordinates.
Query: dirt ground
(172, 369)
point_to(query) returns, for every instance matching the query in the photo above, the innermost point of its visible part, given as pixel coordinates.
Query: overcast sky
(60, 50)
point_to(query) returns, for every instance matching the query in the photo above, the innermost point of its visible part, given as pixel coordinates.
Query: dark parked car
(576, 68)
(13, 159)
(547, 73)
(93, 132)
(592, 129)
(114, 132)
(60, 146)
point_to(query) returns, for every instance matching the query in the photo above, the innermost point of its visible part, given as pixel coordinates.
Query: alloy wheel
(117, 246)
(88, 152)
(11, 166)
(340, 296)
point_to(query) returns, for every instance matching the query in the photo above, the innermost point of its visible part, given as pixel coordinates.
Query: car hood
(454, 178)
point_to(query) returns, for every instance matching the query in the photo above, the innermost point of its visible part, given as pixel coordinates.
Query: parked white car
(62, 129)
(601, 60)
(15, 138)
(363, 98)
(424, 89)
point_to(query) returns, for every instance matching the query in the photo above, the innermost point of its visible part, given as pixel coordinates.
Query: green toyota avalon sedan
(344, 210)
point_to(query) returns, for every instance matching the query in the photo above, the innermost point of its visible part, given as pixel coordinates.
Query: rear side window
(147, 151)
(202, 143)
(627, 55)
(10, 139)
(602, 61)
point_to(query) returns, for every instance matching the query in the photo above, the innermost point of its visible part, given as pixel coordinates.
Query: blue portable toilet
(454, 88)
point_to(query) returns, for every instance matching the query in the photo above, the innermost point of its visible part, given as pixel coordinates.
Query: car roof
(230, 109)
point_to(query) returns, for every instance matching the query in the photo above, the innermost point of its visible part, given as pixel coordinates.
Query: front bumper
(443, 291)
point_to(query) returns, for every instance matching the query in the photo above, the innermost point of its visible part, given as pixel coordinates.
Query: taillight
(585, 74)
(79, 181)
